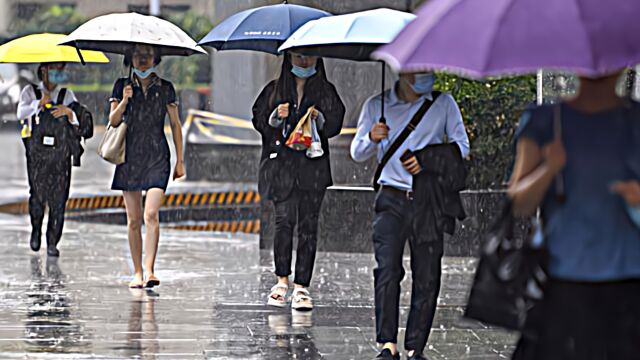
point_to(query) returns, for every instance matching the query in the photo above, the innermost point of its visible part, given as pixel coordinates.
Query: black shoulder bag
(512, 272)
(415, 120)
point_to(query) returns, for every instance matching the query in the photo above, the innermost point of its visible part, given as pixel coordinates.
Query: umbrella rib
(290, 19)
(413, 52)
(351, 26)
(587, 35)
(485, 64)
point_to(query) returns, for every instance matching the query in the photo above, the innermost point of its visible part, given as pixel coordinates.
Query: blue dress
(147, 157)
(591, 236)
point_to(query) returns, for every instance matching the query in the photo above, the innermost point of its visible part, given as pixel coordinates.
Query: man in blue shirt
(394, 209)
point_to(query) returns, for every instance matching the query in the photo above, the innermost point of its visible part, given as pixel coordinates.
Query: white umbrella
(118, 33)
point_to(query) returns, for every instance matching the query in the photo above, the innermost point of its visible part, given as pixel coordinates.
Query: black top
(291, 168)
(147, 154)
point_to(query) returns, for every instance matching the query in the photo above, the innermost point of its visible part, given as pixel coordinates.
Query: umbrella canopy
(44, 48)
(497, 37)
(261, 29)
(118, 33)
(350, 36)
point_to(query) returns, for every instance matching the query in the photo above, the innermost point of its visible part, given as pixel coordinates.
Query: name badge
(48, 141)
(273, 155)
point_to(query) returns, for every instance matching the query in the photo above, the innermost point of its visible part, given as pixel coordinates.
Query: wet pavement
(210, 303)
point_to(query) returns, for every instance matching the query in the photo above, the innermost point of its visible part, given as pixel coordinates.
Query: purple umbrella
(481, 38)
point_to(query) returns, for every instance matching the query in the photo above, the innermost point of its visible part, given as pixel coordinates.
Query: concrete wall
(5, 15)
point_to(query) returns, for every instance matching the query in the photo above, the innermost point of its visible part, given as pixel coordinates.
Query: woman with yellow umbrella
(52, 124)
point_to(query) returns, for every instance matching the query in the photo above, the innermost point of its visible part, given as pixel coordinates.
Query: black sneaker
(53, 251)
(35, 241)
(416, 356)
(386, 354)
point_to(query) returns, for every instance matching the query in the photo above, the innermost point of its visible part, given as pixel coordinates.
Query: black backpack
(67, 137)
(84, 131)
(48, 133)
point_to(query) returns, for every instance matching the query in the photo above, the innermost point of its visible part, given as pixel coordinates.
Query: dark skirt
(129, 177)
(585, 321)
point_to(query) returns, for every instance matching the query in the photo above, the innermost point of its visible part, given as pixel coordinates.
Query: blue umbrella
(260, 29)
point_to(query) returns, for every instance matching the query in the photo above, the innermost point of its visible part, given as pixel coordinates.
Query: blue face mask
(423, 83)
(144, 74)
(57, 76)
(303, 73)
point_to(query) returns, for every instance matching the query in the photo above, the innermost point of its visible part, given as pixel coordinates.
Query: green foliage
(54, 19)
(490, 110)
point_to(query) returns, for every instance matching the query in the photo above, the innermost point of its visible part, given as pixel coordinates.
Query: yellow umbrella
(44, 48)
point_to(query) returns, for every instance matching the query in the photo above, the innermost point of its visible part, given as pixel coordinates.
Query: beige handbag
(112, 146)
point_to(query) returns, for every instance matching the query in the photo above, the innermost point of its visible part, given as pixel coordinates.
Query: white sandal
(278, 297)
(301, 300)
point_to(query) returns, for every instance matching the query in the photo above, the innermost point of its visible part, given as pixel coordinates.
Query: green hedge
(490, 110)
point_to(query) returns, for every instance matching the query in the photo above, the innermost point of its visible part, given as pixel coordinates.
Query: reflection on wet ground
(210, 304)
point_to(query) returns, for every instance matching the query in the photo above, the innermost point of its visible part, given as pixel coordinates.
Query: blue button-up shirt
(442, 121)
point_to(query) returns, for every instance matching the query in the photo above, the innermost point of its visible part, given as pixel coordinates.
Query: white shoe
(301, 300)
(278, 295)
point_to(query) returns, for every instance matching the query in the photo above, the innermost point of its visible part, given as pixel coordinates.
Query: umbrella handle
(382, 119)
(79, 54)
(129, 82)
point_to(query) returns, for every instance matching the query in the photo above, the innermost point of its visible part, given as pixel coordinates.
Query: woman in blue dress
(143, 103)
(591, 305)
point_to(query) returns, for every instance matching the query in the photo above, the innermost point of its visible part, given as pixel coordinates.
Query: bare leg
(152, 226)
(133, 204)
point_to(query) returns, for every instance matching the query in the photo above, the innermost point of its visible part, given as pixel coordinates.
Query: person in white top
(49, 127)
(394, 208)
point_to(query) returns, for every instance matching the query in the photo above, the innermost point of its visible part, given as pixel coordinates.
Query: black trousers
(585, 321)
(302, 207)
(392, 226)
(49, 174)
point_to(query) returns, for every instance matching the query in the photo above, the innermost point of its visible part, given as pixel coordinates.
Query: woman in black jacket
(295, 182)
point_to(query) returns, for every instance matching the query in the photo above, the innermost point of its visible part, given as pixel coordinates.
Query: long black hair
(286, 84)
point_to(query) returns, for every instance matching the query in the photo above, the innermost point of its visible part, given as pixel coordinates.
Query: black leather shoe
(53, 251)
(35, 241)
(387, 355)
(417, 356)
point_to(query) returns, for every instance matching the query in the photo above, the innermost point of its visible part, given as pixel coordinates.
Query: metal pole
(154, 7)
(539, 83)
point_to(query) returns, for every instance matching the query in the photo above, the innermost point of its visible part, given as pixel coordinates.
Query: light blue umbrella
(350, 36)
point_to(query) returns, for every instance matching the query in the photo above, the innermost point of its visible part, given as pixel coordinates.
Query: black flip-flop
(151, 283)
(139, 286)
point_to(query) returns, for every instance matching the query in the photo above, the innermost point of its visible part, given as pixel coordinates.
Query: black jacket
(280, 173)
(437, 190)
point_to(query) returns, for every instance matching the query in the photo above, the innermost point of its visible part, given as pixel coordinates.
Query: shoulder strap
(36, 91)
(415, 120)
(61, 95)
